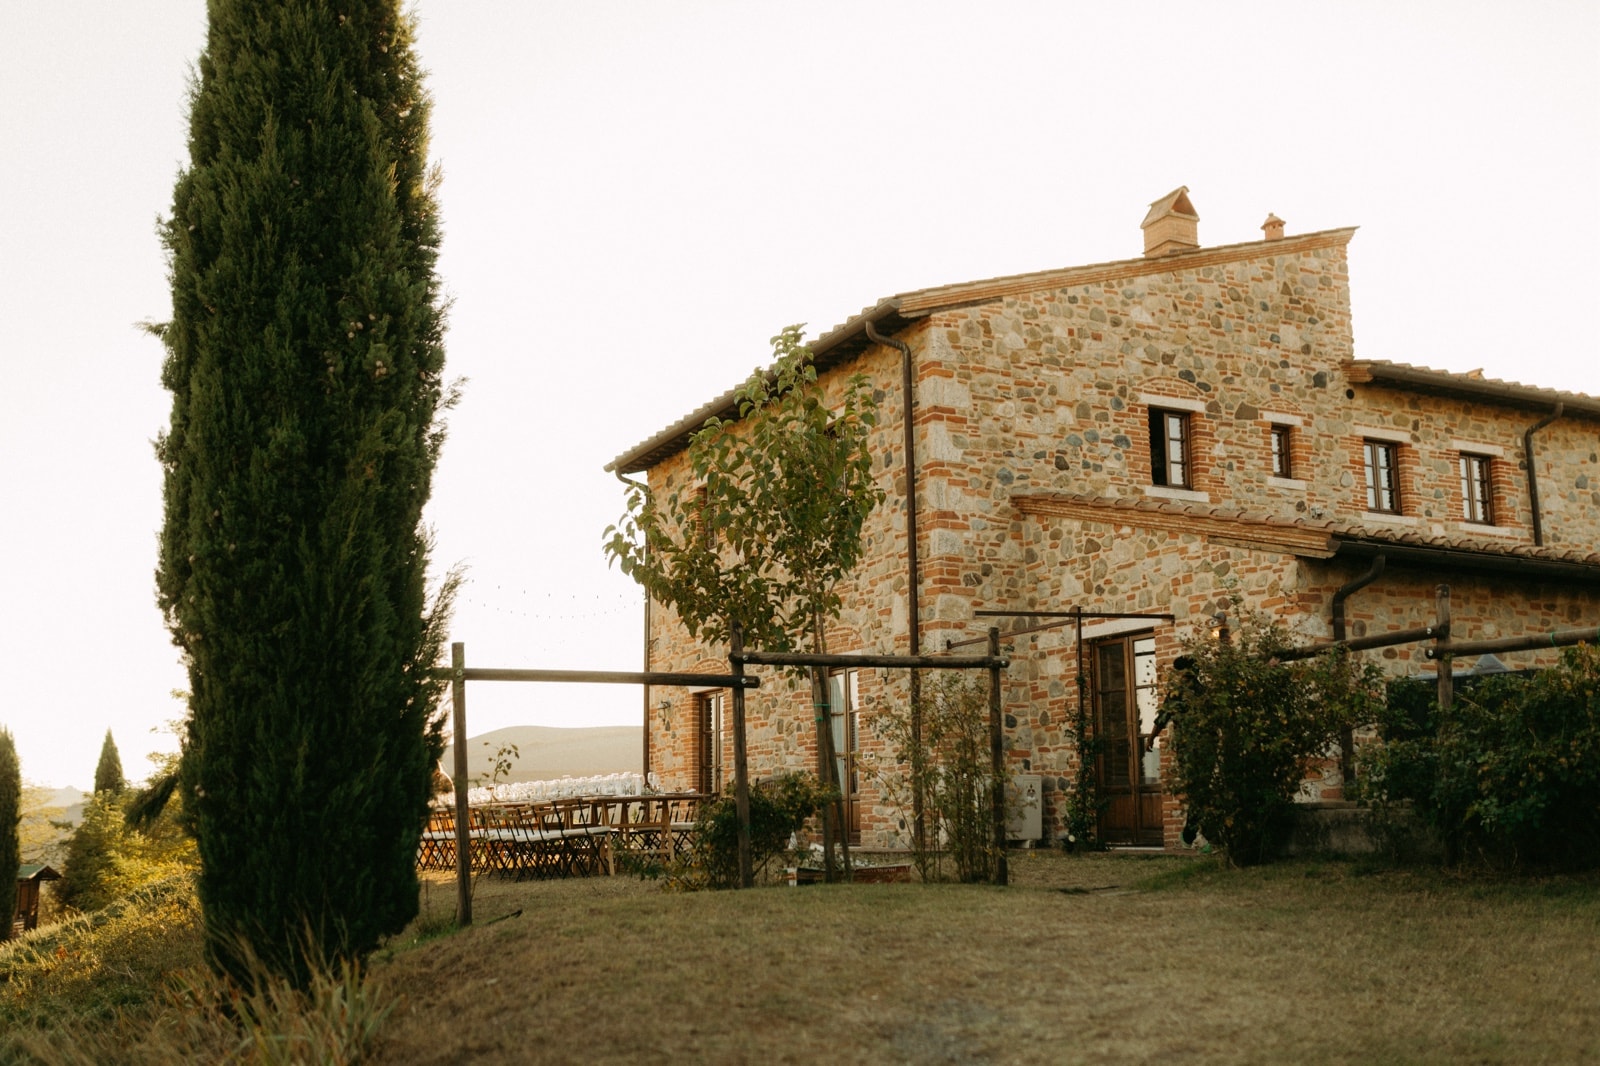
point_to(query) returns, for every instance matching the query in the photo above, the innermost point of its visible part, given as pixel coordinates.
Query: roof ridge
(921, 301)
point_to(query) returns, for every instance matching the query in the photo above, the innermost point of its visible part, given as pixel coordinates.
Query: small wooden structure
(29, 878)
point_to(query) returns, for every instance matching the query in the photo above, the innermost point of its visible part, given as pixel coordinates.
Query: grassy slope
(1104, 958)
(1301, 962)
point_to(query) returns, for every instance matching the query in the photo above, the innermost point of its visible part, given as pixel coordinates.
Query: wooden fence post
(458, 702)
(741, 771)
(1446, 667)
(997, 757)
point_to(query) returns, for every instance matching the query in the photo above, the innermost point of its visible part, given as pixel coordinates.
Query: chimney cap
(1273, 227)
(1171, 225)
(1175, 202)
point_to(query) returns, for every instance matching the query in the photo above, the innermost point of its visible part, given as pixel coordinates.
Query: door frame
(1132, 800)
(844, 714)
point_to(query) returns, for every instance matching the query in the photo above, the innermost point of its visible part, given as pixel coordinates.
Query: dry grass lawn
(1116, 958)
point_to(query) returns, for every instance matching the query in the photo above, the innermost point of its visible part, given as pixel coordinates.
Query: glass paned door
(1127, 697)
(844, 699)
(709, 775)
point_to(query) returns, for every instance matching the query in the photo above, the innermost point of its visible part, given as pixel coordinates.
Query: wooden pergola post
(997, 758)
(1447, 681)
(458, 724)
(741, 766)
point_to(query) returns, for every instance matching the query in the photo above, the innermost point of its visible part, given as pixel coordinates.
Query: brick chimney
(1171, 225)
(1273, 227)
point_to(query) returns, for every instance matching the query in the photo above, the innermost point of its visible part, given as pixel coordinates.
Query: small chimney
(1273, 227)
(1171, 226)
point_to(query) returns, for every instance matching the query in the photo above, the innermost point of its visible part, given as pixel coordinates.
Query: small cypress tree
(304, 357)
(10, 839)
(108, 771)
(88, 873)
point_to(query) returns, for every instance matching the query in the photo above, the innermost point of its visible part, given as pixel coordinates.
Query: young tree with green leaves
(304, 357)
(10, 820)
(108, 771)
(770, 523)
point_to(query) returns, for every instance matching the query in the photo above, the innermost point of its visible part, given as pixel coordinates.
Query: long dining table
(574, 837)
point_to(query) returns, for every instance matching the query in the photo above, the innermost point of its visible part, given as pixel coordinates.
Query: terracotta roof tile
(1133, 506)
(1473, 385)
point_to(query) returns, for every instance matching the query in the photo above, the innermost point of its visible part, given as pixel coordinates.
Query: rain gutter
(1533, 479)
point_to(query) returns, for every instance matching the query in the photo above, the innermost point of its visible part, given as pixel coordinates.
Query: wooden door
(709, 776)
(1126, 698)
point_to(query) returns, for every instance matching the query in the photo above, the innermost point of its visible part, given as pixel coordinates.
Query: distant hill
(43, 809)
(546, 753)
(71, 798)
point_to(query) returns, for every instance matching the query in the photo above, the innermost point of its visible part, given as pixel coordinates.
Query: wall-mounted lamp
(1219, 627)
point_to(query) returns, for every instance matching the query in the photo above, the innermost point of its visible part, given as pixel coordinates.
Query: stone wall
(1042, 395)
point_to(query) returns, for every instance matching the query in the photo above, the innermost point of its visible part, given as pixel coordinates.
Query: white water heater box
(1025, 807)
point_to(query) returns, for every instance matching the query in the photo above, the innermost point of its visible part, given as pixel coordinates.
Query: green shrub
(951, 773)
(1510, 774)
(127, 985)
(1247, 728)
(779, 808)
(87, 969)
(1083, 802)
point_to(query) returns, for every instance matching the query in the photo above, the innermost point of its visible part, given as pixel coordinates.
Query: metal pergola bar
(924, 662)
(1068, 614)
(1377, 640)
(1558, 638)
(596, 677)
(994, 662)
(1063, 618)
(458, 673)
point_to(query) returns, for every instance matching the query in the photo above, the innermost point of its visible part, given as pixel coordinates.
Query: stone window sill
(1479, 529)
(1167, 492)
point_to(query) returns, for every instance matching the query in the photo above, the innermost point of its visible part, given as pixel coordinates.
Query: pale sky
(638, 195)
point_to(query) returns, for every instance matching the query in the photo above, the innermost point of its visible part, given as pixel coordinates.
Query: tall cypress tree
(10, 838)
(304, 358)
(108, 771)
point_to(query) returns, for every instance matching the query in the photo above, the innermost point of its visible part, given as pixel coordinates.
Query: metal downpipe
(1347, 740)
(1348, 588)
(913, 566)
(1533, 479)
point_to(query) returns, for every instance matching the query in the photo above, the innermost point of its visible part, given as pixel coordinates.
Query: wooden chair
(643, 828)
(436, 850)
(683, 811)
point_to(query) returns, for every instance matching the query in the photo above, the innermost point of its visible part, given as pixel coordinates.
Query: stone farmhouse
(1156, 437)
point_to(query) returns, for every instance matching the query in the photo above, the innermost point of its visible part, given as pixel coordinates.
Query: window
(1281, 466)
(1383, 476)
(1475, 489)
(1169, 448)
(709, 737)
(702, 516)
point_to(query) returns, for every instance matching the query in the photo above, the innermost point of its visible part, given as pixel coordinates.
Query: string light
(607, 605)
